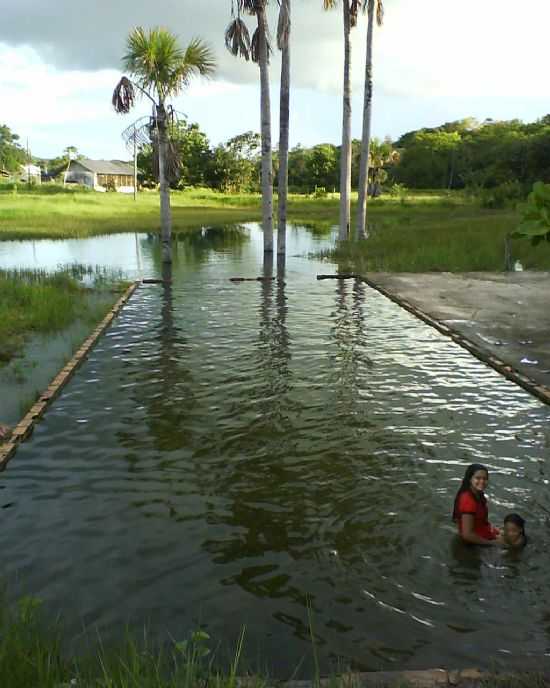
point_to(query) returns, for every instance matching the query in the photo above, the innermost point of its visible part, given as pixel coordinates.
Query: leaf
(200, 636)
(182, 646)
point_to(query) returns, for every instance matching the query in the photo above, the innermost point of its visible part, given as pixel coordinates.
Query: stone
(5, 433)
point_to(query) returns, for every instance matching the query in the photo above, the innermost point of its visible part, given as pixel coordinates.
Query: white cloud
(467, 48)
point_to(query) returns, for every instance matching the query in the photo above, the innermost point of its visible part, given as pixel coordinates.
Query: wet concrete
(506, 314)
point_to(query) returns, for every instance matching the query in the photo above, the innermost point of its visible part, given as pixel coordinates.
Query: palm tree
(374, 8)
(238, 42)
(160, 70)
(350, 10)
(283, 43)
(71, 153)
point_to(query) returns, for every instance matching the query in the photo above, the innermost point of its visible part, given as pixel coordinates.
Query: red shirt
(468, 504)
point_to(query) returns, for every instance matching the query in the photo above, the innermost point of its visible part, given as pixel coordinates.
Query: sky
(435, 61)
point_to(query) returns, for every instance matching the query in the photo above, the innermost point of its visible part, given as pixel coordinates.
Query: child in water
(514, 531)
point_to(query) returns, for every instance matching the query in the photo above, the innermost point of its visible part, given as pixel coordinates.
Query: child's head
(514, 529)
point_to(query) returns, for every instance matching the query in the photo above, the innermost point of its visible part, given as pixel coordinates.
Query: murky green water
(230, 451)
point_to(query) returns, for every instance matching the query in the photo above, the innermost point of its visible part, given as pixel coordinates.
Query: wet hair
(517, 520)
(467, 485)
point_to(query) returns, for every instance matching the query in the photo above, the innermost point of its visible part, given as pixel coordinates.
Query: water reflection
(252, 446)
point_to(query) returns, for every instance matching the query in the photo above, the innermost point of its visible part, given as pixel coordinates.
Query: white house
(101, 175)
(31, 173)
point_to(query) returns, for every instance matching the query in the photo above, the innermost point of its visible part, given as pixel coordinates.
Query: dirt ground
(507, 314)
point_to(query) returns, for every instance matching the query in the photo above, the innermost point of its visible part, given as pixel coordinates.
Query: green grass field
(423, 232)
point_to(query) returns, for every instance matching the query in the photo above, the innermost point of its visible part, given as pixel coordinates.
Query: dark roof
(106, 166)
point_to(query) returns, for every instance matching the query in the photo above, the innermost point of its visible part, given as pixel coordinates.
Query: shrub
(507, 193)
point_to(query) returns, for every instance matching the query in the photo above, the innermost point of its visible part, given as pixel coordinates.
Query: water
(231, 451)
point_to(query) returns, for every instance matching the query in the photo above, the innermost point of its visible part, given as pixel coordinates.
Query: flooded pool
(230, 452)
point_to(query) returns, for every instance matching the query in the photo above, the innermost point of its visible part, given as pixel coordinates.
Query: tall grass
(38, 302)
(32, 655)
(464, 239)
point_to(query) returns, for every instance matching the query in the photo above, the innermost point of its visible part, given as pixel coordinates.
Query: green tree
(192, 148)
(235, 164)
(12, 155)
(322, 166)
(160, 70)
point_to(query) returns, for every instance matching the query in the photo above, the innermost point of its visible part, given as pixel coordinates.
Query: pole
(135, 163)
(28, 165)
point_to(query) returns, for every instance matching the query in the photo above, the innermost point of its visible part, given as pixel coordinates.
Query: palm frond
(354, 7)
(379, 12)
(329, 4)
(255, 46)
(249, 6)
(199, 59)
(159, 65)
(283, 25)
(123, 96)
(237, 39)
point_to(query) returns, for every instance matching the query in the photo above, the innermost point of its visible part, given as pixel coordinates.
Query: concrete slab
(507, 314)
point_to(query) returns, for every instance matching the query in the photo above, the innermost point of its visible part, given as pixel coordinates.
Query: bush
(398, 190)
(501, 196)
(320, 192)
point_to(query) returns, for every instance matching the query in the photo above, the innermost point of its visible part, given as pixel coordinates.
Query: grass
(78, 214)
(38, 302)
(423, 232)
(32, 654)
(458, 238)
(38, 212)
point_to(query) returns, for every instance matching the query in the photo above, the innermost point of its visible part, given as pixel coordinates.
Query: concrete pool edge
(540, 391)
(24, 428)
(430, 678)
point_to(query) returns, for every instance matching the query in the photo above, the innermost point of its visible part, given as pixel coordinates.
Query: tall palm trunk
(165, 212)
(267, 163)
(367, 119)
(284, 123)
(345, 159)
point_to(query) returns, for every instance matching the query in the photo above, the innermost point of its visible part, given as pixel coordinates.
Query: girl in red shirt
(471, 513)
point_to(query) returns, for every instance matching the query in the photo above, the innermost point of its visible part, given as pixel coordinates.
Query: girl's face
(512, 533)
(479, 481)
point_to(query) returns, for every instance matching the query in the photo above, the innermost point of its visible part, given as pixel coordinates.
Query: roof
(106, 166)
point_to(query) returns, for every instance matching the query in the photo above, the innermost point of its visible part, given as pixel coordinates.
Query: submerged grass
(33, 654)
(464, 239)
(38, 302)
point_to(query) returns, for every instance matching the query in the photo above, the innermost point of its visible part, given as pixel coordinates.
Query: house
(30, 174)
(101, 175)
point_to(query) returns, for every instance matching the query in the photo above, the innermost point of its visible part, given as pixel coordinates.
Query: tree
(69, 153)
(12, 155)
(239, 43)
(381, 154)
(350, 10)
(374, 7)
(283, 43)
(234, 165)
(160, 70)
(191, 147)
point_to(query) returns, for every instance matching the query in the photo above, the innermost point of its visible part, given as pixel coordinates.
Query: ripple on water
(230, 452)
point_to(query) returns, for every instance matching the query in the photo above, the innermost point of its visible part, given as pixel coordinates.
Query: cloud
(435, 47)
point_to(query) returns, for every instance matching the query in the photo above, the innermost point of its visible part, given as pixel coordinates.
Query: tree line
(464, 154)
